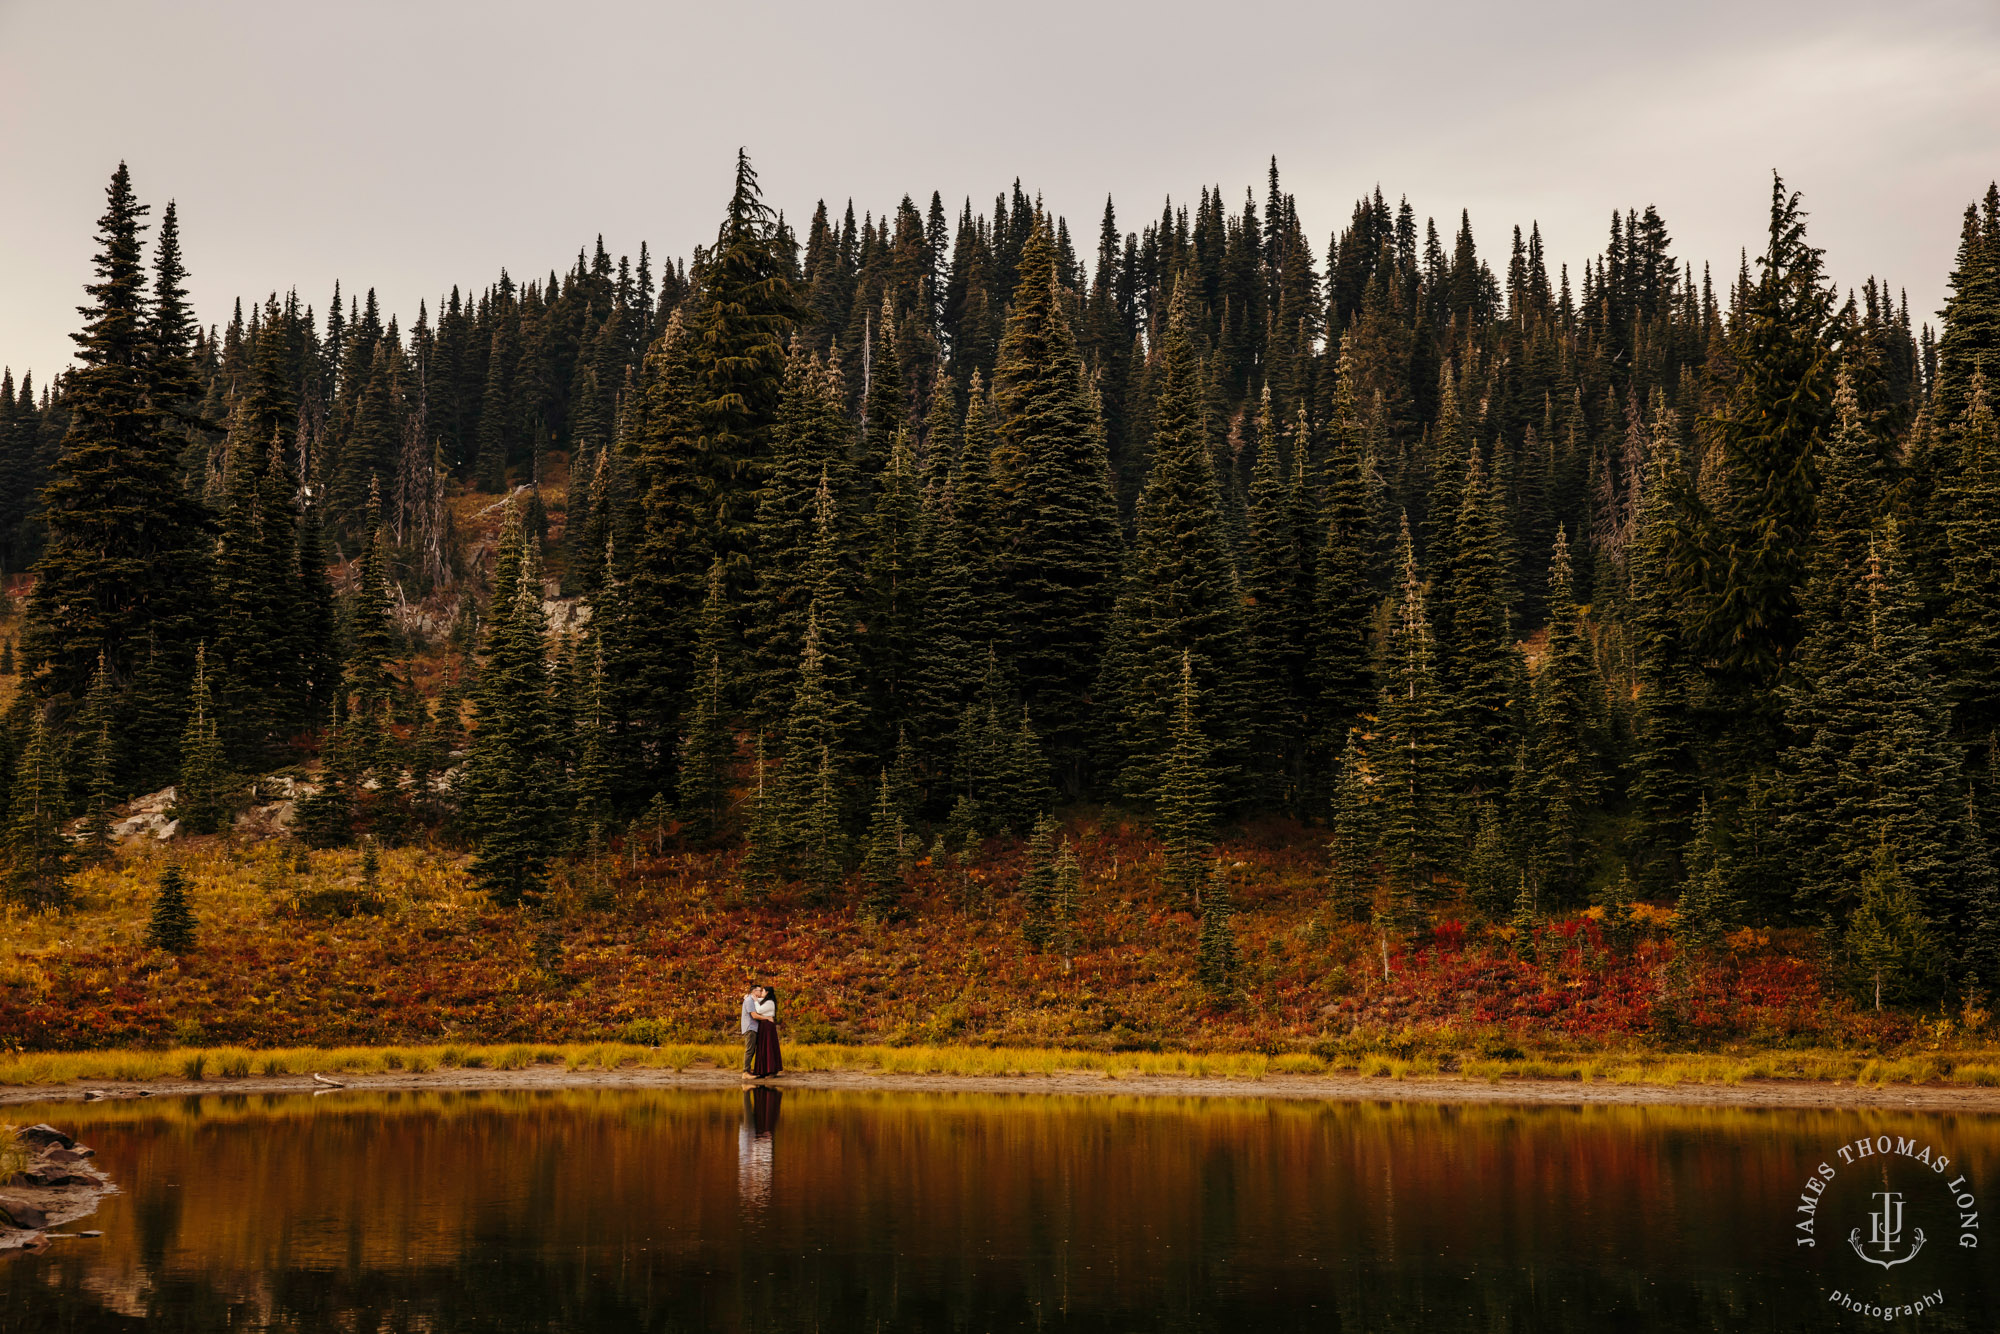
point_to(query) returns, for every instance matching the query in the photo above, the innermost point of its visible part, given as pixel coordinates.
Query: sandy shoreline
(1330, 1088)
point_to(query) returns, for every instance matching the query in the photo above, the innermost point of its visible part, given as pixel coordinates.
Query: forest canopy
(1513, 589)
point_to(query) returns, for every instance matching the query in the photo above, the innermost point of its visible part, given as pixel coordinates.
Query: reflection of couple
(753, 1144)
(761, 1057)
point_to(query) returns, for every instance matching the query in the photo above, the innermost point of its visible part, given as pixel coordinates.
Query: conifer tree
(1216, 962)
(371, 628)
(1873, 761)
(1054, 519)
(1482, 672)
(1525, 920)
(1889, 944)
(821, 846)
(1969, 343)
(803, 520)
(1409, 731)
(1490, 872)
(38, 854)
(945, 659)
(100, 756)
(1065, 904)
(762, 838)
(1038, 881)
(1969, 635)
(882, 868)
(1707, 905)
(326, 816)
(172, 926)
(1663, 742)
(737, 338)
(1019, 782)
(201, 801)
(120, 535)
(1564, 761)
(518, 800)
(706, 741)
(1342, 681)
(891, 596)
(815, 756)
(1186, 806)
(1353, 843)
(1180, 605)
(1614, 902)
(1747, 564)
(594, 784)
(1277, 587)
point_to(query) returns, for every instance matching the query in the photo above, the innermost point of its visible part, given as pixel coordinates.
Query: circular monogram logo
(1890, 1220)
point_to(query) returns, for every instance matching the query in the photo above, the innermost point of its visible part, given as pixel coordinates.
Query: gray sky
(409, 146)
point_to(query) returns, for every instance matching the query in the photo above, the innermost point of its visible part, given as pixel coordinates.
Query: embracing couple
(761, 1057)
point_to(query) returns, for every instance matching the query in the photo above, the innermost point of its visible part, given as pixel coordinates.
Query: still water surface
(833, 1211)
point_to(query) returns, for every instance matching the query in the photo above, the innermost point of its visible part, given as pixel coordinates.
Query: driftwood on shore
(51, 1181)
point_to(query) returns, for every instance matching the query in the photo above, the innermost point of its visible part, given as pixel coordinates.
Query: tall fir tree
(1565, 764)
(1181, 607)
(1216, 961)
(1187, 795)
(1405, 751)
(518, 800)
(172, 925)
(706, 737)
(1746, 564)
(100, 754)
(1343, 594)
(39, 856)
(1054, 519)
(1482, 672)
(201, 796)
(120, 555)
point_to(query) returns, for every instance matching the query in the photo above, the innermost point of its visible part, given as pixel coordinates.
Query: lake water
(833, 1210)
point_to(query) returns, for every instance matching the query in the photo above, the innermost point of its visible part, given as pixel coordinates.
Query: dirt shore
(1750, 1093)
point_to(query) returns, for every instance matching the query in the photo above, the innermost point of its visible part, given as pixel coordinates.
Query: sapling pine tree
(326, 817)
(705, 737)
(39, 855)
(200, 797)
(1038, 877)
(1489, 871)
(882, 868)
(1889, 945)
(1187, 798)
(172, 927)
(1065, 904)
(1216, 963)
(100, 756)
(1707, 904)
(821, 847)
(1525, 918)
(762, 838)
(1353, 843)
(1614, 901)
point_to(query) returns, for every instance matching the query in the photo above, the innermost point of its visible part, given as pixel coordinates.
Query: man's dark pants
(749, 1049)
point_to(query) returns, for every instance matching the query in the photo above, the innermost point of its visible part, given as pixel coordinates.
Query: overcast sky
(414, 145)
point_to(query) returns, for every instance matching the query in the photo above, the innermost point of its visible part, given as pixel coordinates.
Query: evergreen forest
(1484, 589)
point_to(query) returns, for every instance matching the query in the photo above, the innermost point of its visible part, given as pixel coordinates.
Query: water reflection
(753, 1146)
(587, 1211)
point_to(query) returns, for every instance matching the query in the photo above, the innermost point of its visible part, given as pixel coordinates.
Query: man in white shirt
(749, 1026)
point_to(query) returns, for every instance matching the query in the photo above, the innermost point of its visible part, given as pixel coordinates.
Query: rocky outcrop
(54, 1182)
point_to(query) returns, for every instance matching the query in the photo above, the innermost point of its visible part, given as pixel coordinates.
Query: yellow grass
(221, 1065)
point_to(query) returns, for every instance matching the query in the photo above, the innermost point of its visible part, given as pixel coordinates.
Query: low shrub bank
(1973, 1067)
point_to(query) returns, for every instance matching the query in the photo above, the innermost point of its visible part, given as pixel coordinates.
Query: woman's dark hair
(770, 992)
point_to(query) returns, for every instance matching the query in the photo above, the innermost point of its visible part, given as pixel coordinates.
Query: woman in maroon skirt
(769, 1060)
